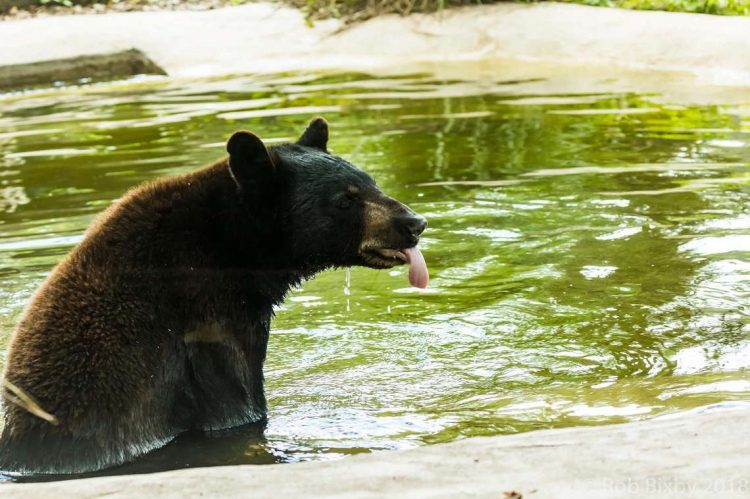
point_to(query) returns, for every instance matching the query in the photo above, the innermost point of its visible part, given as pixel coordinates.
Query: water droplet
(347, 287)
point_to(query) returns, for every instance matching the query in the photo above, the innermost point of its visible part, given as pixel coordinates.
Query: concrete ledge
(698, 454)
(96, 67)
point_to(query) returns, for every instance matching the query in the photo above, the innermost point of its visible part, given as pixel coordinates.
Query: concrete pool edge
(699, 453)
(267, 37)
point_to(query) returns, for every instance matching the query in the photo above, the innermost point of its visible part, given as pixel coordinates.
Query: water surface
(589, 252)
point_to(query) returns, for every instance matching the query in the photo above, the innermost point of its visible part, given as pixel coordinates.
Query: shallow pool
(590, 252)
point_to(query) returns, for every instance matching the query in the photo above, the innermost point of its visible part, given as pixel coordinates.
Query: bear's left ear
(249, 160)
(316, 135)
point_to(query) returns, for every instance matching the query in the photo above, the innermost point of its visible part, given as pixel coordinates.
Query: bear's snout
(391, 228)
(412, 224)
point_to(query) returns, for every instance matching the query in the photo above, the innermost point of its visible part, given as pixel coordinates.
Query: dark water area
(590, 252)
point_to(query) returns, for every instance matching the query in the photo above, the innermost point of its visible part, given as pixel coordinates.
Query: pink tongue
(418, 275)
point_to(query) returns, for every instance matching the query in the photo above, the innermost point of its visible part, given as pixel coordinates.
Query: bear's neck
(251, 233)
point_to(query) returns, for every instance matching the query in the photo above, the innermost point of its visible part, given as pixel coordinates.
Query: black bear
(157, 322)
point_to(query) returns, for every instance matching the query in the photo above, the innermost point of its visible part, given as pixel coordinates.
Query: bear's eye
(348, 199)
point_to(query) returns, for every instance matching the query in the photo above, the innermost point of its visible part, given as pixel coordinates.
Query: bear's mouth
(386, 258)
(383, 258)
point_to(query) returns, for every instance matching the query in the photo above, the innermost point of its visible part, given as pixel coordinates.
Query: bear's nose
(416, 225)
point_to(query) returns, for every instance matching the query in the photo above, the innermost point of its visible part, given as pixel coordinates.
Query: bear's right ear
(249, 160)
(315, 135)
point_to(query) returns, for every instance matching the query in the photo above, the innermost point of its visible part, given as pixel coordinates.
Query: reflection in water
(238, 445)
(589, 252)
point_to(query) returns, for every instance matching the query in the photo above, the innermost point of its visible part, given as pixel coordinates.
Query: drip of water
(347, 288)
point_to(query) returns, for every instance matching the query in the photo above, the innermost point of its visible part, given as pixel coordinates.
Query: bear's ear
(316, 134)
(248, 158)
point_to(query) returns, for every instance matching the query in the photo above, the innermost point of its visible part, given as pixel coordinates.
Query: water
(589, 251)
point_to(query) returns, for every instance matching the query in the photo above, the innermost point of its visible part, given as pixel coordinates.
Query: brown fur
(88, 378)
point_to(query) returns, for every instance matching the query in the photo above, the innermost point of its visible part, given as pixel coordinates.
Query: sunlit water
(589, 253)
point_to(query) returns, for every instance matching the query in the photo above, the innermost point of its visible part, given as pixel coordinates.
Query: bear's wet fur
(158, 321)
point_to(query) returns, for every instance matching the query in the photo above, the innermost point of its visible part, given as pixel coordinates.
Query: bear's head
(327, 212)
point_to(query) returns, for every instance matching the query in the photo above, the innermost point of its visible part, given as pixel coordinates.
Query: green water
(590, 253)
